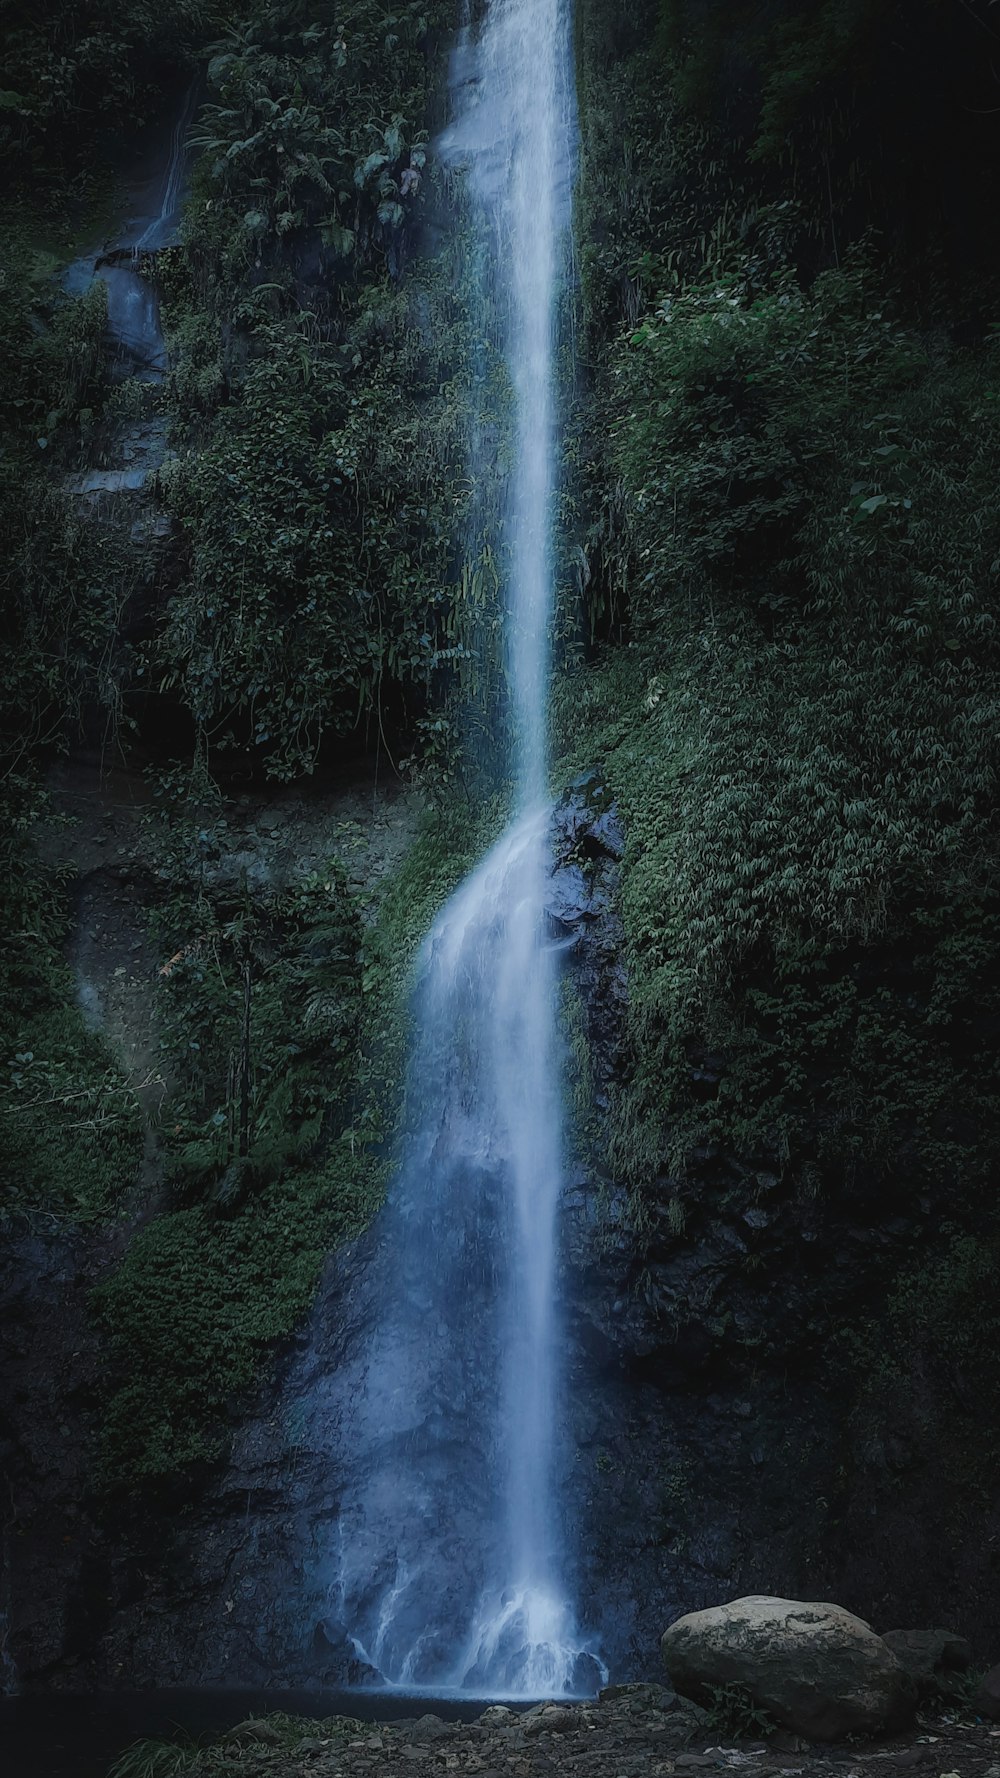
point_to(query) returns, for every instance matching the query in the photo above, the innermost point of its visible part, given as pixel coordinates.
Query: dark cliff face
(718, 1447)
(752, 1414)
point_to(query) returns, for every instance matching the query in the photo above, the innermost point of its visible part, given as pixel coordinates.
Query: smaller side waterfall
(133, 305)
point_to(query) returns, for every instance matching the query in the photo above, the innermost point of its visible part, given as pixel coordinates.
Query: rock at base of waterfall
(551, 1719)
(987, 1699)
(936, 1660)
(814, 1667)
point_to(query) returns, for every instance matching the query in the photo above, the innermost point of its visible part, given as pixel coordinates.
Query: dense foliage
(321, 399)
(786, 441)
(71, 1136)
(81, 71)
(793, 556)
(314, 584)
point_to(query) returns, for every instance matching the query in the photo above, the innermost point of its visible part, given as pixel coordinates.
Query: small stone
(499, 1716)
(554, 1719)
(255, 1731)
(430, 1728)
(931, 1657)
(785, 1743)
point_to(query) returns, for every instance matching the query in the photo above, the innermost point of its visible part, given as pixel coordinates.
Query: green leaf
(339, 239)
(366, 169)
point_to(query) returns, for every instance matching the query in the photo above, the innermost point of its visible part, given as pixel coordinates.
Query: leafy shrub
(320, 548)
(198, 1301)
(321, 401)
(70, 1124)
(734, 1714)
(73, 69)
(738, 406)
(791, 528)
(260, 1002)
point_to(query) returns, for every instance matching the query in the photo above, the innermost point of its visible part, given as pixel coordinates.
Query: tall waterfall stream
(452, 1567)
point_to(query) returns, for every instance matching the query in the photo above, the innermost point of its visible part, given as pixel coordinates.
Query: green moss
(584, 1119)
(198, 1302)
(191, 1314)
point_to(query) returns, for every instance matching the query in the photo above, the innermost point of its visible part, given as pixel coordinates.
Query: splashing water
(452, 1565)
(133, 320)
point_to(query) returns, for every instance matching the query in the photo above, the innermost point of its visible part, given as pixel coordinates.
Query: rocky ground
(631, 1732)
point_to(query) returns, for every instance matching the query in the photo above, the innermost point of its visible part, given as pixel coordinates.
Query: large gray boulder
(814, 1668)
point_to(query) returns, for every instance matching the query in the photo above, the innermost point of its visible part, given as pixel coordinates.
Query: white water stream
(133, 324)
(453, 1564)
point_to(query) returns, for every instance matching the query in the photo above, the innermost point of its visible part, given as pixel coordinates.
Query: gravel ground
(640, 1732)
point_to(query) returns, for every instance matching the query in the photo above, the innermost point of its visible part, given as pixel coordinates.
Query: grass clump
(278, 1732)
(154, 1758)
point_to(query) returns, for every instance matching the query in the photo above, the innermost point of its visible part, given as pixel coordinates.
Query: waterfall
(161, 230)
(133, 323)
(452, 1567)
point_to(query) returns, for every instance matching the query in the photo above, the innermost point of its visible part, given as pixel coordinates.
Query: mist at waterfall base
(452, 1566)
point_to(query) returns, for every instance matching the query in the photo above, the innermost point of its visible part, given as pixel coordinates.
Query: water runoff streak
(452, 1568)
(133, 305)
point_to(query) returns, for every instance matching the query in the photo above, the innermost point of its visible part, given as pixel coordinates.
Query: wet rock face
(711, 1416)
(987, 1699)
(936, 1660)
(48, 1399)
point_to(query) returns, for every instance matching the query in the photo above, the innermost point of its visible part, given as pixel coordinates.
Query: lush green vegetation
(320, 397)
(284, 1035)
(324, 582)
(786, 446)
(81, 73)
(790, 444)
(70, 1124)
